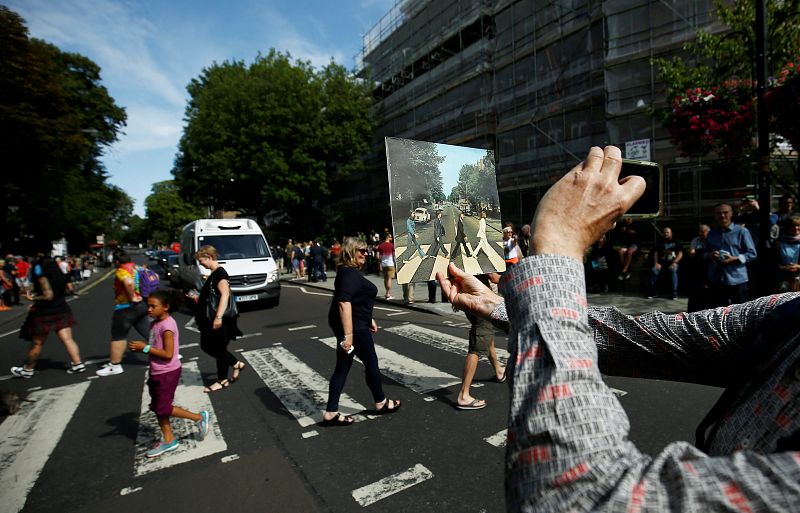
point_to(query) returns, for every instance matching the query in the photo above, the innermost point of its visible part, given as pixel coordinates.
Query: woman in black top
(216, 333)
(350, 317)
(49, 312)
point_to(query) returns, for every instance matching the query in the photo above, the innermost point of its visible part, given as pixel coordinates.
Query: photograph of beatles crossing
(445, 208)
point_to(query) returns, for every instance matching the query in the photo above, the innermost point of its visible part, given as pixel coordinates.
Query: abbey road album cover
(445, 207)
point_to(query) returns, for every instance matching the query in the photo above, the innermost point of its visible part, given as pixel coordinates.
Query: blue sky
(149, 50)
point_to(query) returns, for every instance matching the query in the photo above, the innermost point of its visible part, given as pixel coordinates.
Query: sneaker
(651, 297)
(202, 425)
(628, 275)
(390, 297)
(162, 447)
(22, 372)
(110, 369)
(621, 276)
(674, 298)
(75, 368)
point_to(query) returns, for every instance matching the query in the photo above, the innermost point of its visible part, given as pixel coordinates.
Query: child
(165, 369)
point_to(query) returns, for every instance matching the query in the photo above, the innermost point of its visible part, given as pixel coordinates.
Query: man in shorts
(130, 311)
(481, 343)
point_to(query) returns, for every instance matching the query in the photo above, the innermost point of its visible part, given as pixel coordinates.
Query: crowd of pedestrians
(721, 265)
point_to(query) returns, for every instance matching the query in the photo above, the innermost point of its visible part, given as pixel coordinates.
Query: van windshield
(232, 247)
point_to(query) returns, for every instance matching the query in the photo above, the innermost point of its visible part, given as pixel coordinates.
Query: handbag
(213, 302)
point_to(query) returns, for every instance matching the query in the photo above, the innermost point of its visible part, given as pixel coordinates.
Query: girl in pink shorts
(165, 370)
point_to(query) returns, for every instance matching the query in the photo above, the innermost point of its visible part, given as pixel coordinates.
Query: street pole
(764, 196)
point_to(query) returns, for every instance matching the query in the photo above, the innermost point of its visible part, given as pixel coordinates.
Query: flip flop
(476, 404)
(338, 420)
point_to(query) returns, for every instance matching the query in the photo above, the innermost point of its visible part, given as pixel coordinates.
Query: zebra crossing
(28, 439)
(408, 269)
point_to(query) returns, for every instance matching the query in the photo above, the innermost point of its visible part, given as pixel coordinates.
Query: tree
(272, 136)
(55, 120)
(728, 56)
(416, 173)
(168, 211)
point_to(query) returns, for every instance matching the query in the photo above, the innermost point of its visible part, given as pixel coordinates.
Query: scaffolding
(537, 81)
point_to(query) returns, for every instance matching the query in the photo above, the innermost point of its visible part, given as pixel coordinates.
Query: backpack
(148, 281)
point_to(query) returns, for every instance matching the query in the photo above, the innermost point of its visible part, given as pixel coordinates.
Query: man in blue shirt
(729, 248)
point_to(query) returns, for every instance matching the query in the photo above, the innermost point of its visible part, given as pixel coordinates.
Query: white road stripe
(386, 309)
(618, 392)
(309, 434)
(391, 485)
(248, 335)
(187, 346)
(130, 490)
(439, 340)
(303, 327)
(9, 333)
(300, 388)
(189, 396)
(498, 439)
(228, 459)
(303, 289)
(398, 313)
(191, 326)
(28, 438)
(416, 375)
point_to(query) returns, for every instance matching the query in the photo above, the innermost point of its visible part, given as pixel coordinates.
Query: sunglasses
(363, 251)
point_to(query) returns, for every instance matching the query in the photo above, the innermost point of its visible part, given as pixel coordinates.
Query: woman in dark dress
(49, 312)
(350, 318)
(217, 333)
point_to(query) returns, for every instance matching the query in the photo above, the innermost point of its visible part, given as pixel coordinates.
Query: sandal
(385, 409)
(338, 420)
(217, 386)
(237, 368)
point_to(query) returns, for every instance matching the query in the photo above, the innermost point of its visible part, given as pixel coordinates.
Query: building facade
(539, 82)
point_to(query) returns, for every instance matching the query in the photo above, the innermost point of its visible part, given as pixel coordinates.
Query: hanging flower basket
(783, 103)
(718, 119)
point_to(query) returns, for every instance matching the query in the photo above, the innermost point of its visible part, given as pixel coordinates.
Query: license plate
(251, 297)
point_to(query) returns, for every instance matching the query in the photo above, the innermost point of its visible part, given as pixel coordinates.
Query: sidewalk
(629, 303)
(20, 311)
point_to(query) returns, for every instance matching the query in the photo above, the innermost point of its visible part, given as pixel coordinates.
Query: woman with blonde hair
(350, 318)
(217, 332)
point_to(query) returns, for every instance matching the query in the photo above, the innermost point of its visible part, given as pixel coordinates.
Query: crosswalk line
(28, 438)
(391, 485)
(413, 374)
(189, 396)
(439, 340)
(302, 390)
(498, 439)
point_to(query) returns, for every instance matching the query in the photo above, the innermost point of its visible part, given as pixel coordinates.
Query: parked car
(171, 271)
(421, 215)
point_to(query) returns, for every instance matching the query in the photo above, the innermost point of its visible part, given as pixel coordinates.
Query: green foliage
(168, 212)
(477, 183)
(416, 176)
(55, 119)
(720, 58)
(272, 135)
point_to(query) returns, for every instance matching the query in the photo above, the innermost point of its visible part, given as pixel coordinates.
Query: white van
(243, 252)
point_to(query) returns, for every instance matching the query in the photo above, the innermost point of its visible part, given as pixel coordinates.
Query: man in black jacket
(438, 234)
(461, 238)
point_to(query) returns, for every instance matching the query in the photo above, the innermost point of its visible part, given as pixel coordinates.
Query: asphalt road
(79, 446)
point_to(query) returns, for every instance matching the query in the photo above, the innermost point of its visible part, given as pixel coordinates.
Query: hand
(347, 343)
(714, 255)
(217, 324)
(658, 266)
(373, 327)
(584, 204)
(136, 345)
(467, 293)
(729, 260)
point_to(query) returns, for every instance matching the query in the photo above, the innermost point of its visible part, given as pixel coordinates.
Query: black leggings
(215, 344)
(364, 348)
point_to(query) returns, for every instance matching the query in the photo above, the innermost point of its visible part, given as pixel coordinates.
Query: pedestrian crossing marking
(391, 485)
(498, 439)
(190, 396)
(439, 340)
(300, 388)
(28, 438)
(413, 374)
(407, 270)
